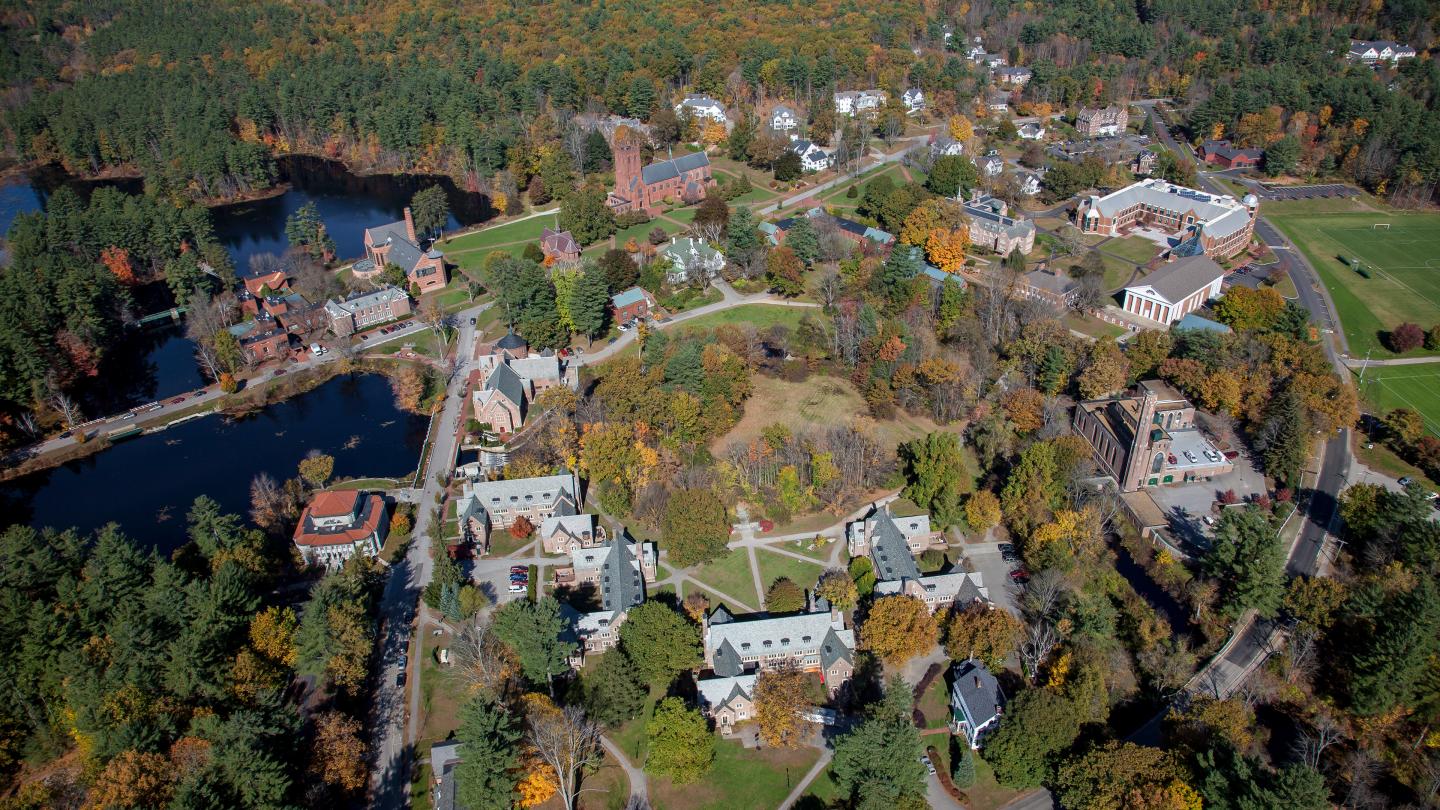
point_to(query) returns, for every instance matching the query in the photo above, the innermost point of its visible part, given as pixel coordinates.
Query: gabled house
(619, 571)
(997, 102)
(1012, 76)
(976, 702)
(783, 118)
(1223, 153)
(364, 310)
(1095, 123)
(990, 166)
(1032, 132)
(337, 525)
(689, 259)
(261, 339)
(444, 756)
(506, 381)
(396, 243)
(727, 701)
(865, 236)
(1144, 163)
(815, 642)
(563, 534)
(703, 107)
(914, 100)
(994, 60)
(938, 591)
(858, 102)
(559, 246)
(633, 304)
(1371, 52)
(486, 506)
(812, 157)
(944, 145)
(897, 519)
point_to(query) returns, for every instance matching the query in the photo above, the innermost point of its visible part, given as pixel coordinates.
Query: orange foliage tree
(117, 261)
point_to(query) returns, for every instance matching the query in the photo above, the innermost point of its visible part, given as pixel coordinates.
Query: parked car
(1019, 576)
(929, 766)
(519, 569)
(1232, 454)
(177, 400)
(1171, 459)
(517, 587)
(472, 321)
(1405, 481)
(1189, 456)
(624, 327)
(278, 372)
(400, 679)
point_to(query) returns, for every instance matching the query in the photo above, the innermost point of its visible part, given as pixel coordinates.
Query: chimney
(410, 226)
(977, 681)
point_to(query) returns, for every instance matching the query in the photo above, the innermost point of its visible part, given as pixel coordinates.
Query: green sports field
(1416, 387)
(1403, 261)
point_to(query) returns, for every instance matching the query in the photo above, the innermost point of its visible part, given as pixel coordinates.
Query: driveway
(995, 574)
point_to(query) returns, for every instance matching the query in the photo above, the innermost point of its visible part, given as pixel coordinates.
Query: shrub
(630, 219)
(932, 560)
(1405, 337)
(1432, 338)
(658, 236)
(852, 192)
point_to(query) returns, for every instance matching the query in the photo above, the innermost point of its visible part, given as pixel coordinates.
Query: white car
(1189, 456)
(929, 766)
(516, 587)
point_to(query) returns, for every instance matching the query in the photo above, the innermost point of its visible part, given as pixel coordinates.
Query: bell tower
(627, 167)
(1137, 461)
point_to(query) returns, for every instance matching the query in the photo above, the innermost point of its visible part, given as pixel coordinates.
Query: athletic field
(1400, 251)
(1415, 387)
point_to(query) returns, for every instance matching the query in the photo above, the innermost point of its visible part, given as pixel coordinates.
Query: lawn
(1401, 260)
(1416, 387)
(1094, 327)
(640, 233)
(819, 555)
(731, 576)
(1135, 249)
(527, 230)
(420, 342)
(819, 402)
(935, 705)
(761, 316)
(986, 794)
(773, 566)
(739, 779)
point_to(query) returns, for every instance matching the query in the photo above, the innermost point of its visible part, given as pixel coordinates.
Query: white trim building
(1175, 290)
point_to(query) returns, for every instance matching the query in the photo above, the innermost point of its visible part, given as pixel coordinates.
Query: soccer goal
(1381, 226)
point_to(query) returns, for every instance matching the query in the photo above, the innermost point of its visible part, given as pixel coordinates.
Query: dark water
(158, 362)
(348, 204)
(147, 484)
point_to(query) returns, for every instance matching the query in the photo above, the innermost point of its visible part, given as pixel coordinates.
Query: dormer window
(805, 639)
(784, 642)
(744, 645)
(768, 643)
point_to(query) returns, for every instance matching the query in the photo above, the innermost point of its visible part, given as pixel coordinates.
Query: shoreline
(245, 402)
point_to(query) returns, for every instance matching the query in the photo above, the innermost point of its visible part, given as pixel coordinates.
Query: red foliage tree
(117, 261)
(1405, 337)
(521, 528)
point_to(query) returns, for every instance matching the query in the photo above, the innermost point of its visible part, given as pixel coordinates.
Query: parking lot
(1273, 192)
(995, 574)
(1186, 505)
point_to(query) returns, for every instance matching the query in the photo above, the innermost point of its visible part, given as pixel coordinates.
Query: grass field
(1402, 261)
(773, 566)
(731, 576)
(741, 779)
(1415, 387)
(760, 316)
(523, 231)
(1136, 249)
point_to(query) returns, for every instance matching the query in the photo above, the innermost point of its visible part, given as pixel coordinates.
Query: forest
(197, 97)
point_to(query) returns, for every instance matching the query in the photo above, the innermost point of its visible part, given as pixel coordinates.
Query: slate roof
(359, 302)
(511, 341)
(1220, 216)
(890, 552)
(662, 170)
(443, 759)
(977, 689)
(558, 241)
(504, 380)
(622, 583)
(726, 661)
(716, 692)
(993, 220)
(839, 645)
(547, 489)
(1175, 281)
(798, 635)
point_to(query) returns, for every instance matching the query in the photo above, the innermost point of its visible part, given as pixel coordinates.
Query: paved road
(845, 178)
(730, 299)
(392, 738)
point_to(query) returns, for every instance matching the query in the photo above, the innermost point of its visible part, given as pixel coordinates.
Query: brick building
(1217, 226)
(360, 312)
(684, 178)
(1093, 123)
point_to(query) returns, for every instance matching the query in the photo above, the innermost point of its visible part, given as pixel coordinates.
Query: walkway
(639, 788)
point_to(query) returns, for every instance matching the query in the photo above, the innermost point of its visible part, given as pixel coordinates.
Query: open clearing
(1403, 261)
(817, 403)
(1416, 387)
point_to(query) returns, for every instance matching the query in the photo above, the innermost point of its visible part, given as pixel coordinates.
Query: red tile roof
(334, 503)
(371, 513)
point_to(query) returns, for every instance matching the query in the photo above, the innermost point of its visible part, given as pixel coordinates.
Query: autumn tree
(132, 780)
(960, 128)
(566, 740)
(681, 745)
(1119, 774)
(317, 468)
(784, 271)
(982, 632)
(782, 695)
(272, 634)
(117, 261)
(898, 628)
(838, 588)
(945, 248)
(1245, 308)
(521, 528)
(982, 510)
(338, 753)
(1106, 371)
(784, 596)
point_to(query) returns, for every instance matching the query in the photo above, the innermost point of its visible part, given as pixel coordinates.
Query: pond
(147, 484)
(158, 362)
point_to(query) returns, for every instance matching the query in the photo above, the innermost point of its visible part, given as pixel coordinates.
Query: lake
(158, 362)
(147, 484)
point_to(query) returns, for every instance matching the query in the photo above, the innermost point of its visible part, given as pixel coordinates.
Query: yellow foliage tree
(538, 785)
(960, 128)
(945, 248)
(897, 629)
(131, 779)
(713, 133)
(781, 696)
(272, 634)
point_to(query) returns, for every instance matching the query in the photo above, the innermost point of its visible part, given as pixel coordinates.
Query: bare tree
(830, 289)
(1040, 640)
(67, 407)
(1311, 744)
(713, 232)
(482, 661)
(434, 317)
(1364, 768)
(569, 742)
(1043, 594)
(270, 504)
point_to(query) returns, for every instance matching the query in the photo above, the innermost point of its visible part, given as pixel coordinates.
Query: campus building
(336, 526)
(684, 178)
(1149, 438)
(1195, 220)
(1175, 289)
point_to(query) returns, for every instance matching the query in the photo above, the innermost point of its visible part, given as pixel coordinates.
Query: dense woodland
(198, 96)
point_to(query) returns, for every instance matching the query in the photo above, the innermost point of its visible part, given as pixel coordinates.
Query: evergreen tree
(951, 305)
(586, 216)
(430, 209)
(894, 277)
(590, 305)
(952, 174)
(614, 691)
(737, 144)
(1389, 657)
(803, 239)
(878, 763)
(1284, 436)
(742, 237)
(597, 153)
(304, 229)
(1249, 562)
(963, 771)
(641, 97)
(488, 771)
(532, 631)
